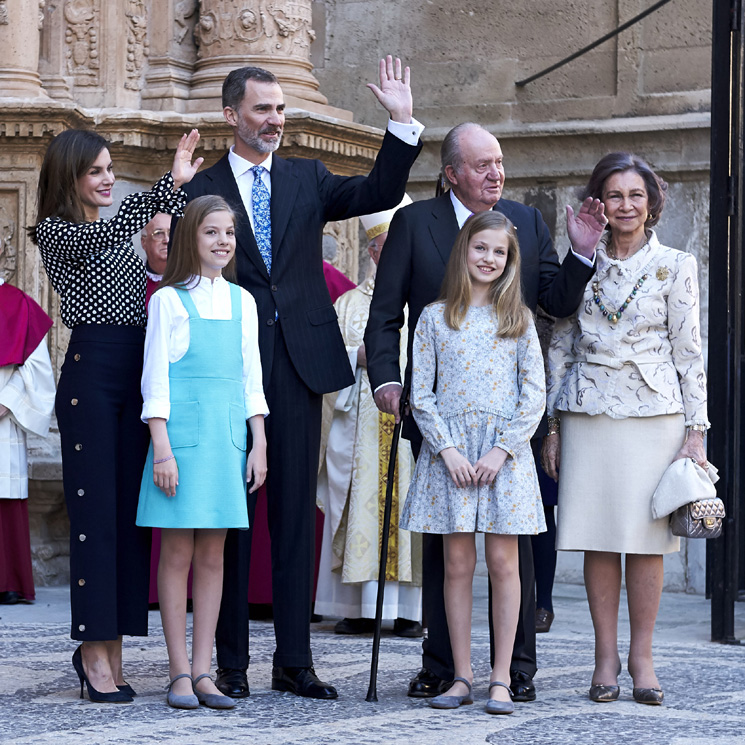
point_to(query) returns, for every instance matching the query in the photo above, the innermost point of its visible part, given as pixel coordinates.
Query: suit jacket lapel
(222, 176)
(284, 192)
(443, 227)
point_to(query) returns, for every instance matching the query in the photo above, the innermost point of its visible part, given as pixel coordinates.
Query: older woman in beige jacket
(626, 397)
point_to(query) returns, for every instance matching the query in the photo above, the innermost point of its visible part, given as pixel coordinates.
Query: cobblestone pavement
(704, 687)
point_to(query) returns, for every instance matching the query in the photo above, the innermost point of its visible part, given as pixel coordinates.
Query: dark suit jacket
(412, 267)
(305, 196)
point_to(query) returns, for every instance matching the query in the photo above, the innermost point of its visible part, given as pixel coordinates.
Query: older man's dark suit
(303, 357)
(411, 270)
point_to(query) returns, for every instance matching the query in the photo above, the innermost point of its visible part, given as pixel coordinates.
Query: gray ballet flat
(499, 707)
(189, 701)
(211, 700)
(453, 702)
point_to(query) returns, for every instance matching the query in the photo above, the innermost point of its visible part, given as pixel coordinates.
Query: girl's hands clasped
(184, 169)
(488, 466)
(461, 471)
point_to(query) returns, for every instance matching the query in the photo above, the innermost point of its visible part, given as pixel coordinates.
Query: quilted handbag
(699, 519)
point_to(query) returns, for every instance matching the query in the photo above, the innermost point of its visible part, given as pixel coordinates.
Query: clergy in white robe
(26, 403)
(352, 482)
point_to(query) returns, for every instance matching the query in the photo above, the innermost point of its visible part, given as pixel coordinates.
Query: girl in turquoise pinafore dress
(201, 382)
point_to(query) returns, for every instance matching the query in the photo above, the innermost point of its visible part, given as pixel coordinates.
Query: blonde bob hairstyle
(183, 257)
(505, 292)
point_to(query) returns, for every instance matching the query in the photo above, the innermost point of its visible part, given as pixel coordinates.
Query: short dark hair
(69, 155)
(618, 163)
(234, 86)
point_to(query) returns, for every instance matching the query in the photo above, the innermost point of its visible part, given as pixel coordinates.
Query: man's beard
(252, 138)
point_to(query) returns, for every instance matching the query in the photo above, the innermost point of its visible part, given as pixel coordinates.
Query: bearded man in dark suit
(281, 206)
(410, 272)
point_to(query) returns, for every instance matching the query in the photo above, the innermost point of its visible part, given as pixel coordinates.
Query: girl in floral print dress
(478, 394)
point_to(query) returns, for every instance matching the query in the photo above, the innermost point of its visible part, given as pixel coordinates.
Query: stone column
(172, 55)
(275, 34)
(20, 23)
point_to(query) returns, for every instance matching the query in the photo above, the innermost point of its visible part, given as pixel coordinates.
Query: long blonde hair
(505, 293)
(183, 258)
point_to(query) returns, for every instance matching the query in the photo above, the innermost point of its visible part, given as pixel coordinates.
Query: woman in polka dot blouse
(92, 265)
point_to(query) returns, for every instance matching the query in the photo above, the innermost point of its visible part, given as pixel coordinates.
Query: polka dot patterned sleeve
(93, 265)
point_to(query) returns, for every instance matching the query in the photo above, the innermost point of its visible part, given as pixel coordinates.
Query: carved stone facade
(83, 37)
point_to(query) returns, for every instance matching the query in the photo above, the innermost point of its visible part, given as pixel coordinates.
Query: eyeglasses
(160, 235)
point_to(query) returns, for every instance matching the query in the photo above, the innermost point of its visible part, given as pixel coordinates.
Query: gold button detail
(74, 402)
(78, 446)
(82, 537)
(77, 358)
(81, 492)
(81, 582)
(81, 627)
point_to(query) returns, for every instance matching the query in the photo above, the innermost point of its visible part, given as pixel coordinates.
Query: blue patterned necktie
(262, 220)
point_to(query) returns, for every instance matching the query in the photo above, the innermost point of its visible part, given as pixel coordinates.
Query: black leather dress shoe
(355, 626)
(407, 629)
(302, 681)
(426, 684)
(521, 686)
(232, 682)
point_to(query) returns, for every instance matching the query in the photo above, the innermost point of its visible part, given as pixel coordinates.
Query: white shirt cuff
(584, 259)
(155, 409)
(393, 382)
(408, 133)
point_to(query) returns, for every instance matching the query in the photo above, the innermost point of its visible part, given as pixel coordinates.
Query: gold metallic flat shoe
(604, 694)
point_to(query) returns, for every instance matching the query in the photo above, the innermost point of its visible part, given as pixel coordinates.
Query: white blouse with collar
(167, 340)
(648, 363)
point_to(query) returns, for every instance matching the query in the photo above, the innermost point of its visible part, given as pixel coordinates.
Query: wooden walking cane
(372, 691)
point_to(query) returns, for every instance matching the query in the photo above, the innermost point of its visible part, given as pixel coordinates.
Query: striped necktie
(262, 220)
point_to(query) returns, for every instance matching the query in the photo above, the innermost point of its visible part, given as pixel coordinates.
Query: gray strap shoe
(499, 707)
(453, 702)
(189, 701)
(211, 700)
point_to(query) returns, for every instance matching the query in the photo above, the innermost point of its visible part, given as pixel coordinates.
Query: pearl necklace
(614, 316)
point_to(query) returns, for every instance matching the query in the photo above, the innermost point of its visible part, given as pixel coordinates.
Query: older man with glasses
(154, 239)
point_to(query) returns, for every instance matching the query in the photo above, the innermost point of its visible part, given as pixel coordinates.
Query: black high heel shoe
(127, 688)
(115, 697)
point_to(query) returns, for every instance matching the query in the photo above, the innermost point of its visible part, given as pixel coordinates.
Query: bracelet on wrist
(698, 428)
(554, 425)
(163, 460)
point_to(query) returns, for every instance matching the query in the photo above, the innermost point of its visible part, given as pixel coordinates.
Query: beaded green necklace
(614, 315)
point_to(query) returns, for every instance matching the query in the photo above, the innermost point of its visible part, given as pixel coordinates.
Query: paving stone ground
(704, 687)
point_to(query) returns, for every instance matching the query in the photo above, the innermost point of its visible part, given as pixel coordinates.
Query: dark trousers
(293, 430)
(437, 654)
(104, 444)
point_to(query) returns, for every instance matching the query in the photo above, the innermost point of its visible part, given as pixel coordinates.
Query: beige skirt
(608, 472)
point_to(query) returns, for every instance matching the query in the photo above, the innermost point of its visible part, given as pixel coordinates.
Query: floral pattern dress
(473, 390)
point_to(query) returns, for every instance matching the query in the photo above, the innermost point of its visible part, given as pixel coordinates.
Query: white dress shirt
(167, 341)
